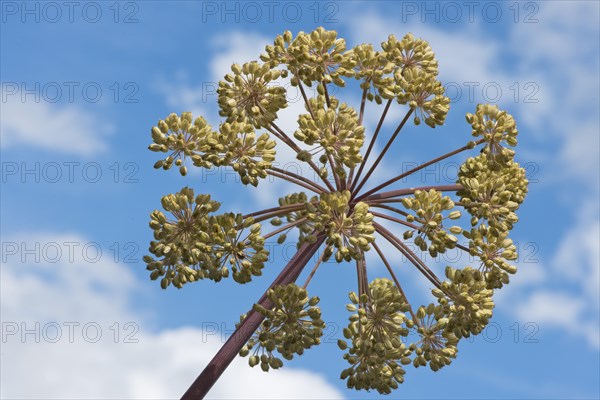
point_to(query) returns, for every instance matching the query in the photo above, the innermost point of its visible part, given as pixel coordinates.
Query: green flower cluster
(293, 325)
(305, 228)
(374, 70)
(230, 245)
(410, 53)
(184, 139)
(466, 300)
(349, 230)
(492, 193)
(318, 56)
(424, 94)
(495, 253)
(248, 155)
(246, 96)
(175, 239)
(405, 69)
(437, 345)
(235, 145)
(428, 207)
(195, 245)
(496, 127)
(336, 129)
(376, 351)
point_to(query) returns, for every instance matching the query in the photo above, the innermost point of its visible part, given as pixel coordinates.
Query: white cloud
(562, 310)
(159, 365)
(565, 293)
(547, 306)
(236, 47)
(577, 258)
(181, 95)
(563, 48)
(57, 128)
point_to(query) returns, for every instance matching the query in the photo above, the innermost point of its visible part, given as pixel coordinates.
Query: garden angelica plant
(333, 214)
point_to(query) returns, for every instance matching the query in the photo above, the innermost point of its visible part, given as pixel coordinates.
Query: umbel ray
(342, 214)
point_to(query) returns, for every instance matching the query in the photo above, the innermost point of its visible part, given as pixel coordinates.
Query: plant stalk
(211, 373)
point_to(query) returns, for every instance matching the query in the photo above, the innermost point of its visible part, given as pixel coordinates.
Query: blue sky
(83, 83)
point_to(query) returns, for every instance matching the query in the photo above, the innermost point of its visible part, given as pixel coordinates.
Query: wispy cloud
(66, 129)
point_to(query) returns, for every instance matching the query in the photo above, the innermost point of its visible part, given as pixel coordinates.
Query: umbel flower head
(372, 68)
(336, 130)
(496, 127)
(410, 53)
(250, 156)
(179, 261)
(318, 56)
(490, 193)
(232, 247)
(247, 96)
(195, 245)
(291, 326)
(428, 207)
(340, 211)
(425, 94)
(348, 232)
(184, 139)
(495, 253)
(376, 351)
(437, 346)
(466, 300)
